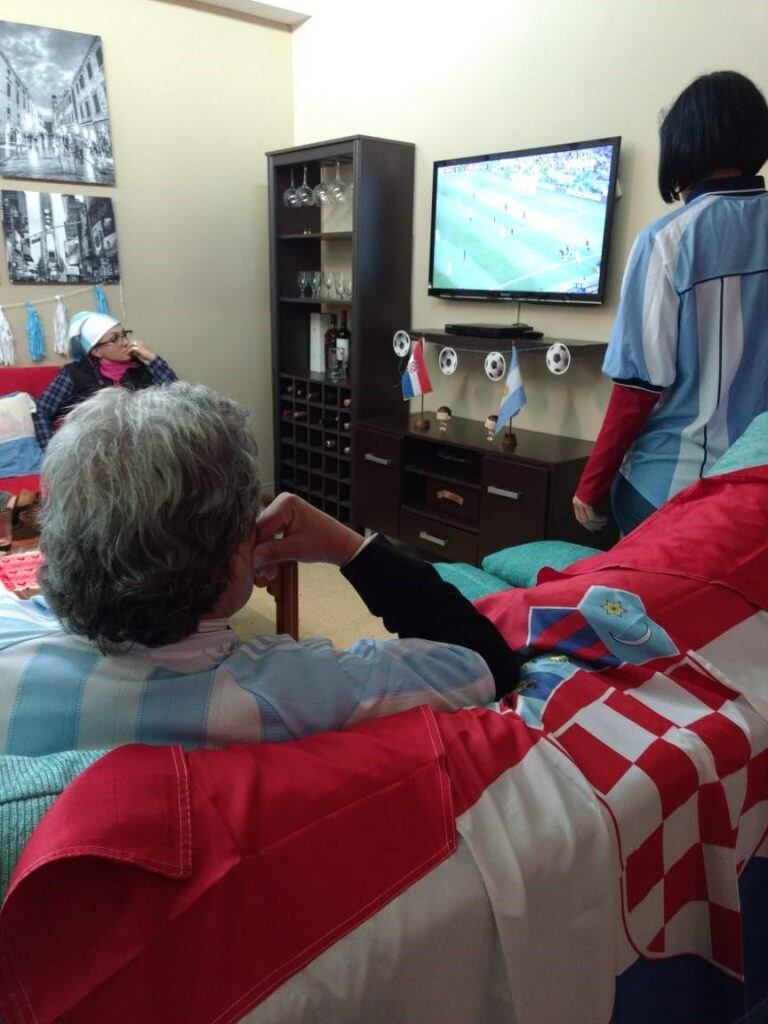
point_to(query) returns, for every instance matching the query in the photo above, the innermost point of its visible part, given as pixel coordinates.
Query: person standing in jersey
(688, 352)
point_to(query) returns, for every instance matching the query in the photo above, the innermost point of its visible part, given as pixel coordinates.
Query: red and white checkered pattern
(681, 764)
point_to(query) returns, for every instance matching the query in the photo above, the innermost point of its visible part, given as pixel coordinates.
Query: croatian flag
(416, 379)
(514, 398)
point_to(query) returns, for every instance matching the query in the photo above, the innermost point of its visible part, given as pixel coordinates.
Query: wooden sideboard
(459, 496)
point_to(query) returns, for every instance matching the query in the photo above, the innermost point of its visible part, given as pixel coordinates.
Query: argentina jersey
(692, 324)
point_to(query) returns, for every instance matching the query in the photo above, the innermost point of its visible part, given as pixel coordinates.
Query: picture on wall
(54, 117)
(50, 237)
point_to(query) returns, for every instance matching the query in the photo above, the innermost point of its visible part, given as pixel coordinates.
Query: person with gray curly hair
(152, 535)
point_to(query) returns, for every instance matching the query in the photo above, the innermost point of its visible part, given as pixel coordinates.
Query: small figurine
(490, 427)
(443, 417)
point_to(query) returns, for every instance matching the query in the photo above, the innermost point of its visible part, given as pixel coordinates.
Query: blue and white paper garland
(35, 331)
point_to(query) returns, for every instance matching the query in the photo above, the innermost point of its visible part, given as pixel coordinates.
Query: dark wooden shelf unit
(459, 496)
(377, 253)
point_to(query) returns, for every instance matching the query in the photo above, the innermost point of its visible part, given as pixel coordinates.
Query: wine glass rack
(370, 237)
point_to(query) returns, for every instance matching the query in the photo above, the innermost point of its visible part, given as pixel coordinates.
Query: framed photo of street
(54, 114)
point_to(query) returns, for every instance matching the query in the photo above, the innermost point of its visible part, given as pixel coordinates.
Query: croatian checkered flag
(416, 379)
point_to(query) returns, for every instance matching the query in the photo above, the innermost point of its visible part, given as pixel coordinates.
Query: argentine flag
(416, 379)
(514, 398)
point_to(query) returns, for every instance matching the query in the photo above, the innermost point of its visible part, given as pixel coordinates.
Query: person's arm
(406, 592)
(159, 370)
(629, 407)
(49, 406)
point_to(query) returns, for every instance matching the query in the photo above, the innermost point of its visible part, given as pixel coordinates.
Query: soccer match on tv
(524, 223)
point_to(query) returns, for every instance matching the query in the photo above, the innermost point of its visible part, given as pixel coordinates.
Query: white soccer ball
(558, 358)
(495, 365)
(401, 343)
(448, 361)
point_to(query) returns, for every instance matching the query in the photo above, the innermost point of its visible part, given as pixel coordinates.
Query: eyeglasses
(112, 338)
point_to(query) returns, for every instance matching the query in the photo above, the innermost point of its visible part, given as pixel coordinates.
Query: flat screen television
(532, 225)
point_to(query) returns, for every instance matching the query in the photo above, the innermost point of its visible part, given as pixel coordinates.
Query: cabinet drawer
(449, 542)
(514, 504)
(453, 500)
(376, 472)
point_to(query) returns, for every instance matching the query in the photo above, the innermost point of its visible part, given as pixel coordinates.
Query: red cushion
(32, 379)
(16, 484)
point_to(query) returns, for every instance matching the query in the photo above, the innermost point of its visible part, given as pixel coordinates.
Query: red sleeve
(628, 409)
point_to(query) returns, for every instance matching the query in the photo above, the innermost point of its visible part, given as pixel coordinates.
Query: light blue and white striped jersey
(693, 322)
(59, 692)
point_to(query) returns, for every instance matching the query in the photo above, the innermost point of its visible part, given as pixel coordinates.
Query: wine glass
(328, 284)
(303, 279)
(347, 288)
(339, 188)
(315, 279)
(289, 196)
(339, 283)
(321, 193)
(304, 192)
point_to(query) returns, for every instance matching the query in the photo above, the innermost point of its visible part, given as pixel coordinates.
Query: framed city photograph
(54, 116)
(52, 238)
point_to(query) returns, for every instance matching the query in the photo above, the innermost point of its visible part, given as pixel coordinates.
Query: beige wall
(196, 97)
(466, 78)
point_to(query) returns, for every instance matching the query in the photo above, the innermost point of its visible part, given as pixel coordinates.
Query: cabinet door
(376, 481)
(513, 508)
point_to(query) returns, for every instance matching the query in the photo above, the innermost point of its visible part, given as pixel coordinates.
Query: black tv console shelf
(459, 496)
(475, 343)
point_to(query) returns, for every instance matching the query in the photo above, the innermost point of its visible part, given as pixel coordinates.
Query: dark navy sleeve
(50, 405)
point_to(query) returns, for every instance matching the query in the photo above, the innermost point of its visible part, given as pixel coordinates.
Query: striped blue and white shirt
(693, 324)
(59, 692)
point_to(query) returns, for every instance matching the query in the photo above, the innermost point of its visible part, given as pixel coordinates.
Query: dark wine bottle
(343, 341)
(330, 342)
(330, 443)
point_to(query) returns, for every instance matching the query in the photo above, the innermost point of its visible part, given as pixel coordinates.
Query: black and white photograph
(51, 238)
(54, 118)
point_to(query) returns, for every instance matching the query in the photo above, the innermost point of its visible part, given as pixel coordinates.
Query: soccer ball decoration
(495, 365)
(448, 361)
(558, 358)
(401, 343)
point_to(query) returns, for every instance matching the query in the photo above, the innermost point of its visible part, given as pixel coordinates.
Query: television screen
(532, 225)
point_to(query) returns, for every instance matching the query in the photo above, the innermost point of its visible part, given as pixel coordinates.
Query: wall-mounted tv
(532, 225)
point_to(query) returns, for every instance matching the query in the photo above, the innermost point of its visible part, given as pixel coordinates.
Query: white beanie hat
(86, 330)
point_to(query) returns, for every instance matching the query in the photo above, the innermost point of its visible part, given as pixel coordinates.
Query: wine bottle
(313, 395)
(300, 414)
(346, 402)
(345, 424)
(343, 339)
(330, 443)
(330, 342)
(346, 450)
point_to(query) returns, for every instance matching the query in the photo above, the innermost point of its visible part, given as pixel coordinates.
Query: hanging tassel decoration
(35, 333)
(60, 320)
(7, 347)
(101, 299)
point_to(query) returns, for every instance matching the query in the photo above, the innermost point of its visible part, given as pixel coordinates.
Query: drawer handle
(450, 496)
(440, 541)
(512, 495)
(370, 457)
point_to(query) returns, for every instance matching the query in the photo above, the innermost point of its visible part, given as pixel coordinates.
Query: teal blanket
(28, 787)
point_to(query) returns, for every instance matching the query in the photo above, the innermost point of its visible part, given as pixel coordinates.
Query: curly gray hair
(147, 496)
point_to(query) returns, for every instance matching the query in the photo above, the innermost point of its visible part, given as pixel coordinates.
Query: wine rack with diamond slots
(327, 256)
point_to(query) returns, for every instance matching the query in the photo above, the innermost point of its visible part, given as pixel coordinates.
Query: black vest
(87, 379)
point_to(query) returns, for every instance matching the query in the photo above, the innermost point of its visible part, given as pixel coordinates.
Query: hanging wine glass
(304, 192)
(321, 193)
(289, 196)
(339, 188)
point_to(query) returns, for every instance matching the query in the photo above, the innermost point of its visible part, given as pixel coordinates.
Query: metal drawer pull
(369, 457)
(450, 496)
(440, 541)
(514, 495)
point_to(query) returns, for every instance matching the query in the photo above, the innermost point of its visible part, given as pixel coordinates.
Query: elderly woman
(689, 349)
(150, 531)
(105, 355)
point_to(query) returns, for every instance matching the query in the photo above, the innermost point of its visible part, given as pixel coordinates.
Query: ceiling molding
(251, 9)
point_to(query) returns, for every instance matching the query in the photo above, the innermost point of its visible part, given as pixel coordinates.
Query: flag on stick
(514, 393)
(416, 379)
